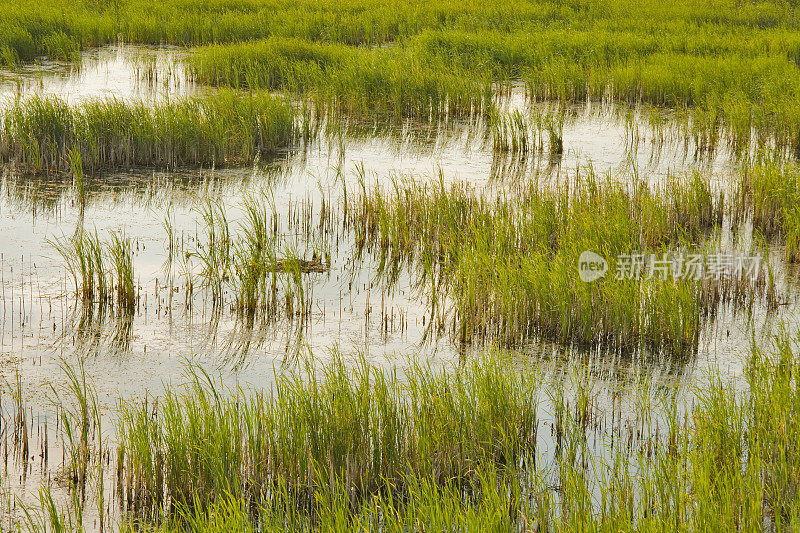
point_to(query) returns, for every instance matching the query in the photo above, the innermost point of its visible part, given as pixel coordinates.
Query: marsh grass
(248, 266)
(41, 134)
(391, 82)
(102, 272)
(506, 268)
(121, 258)
(61, 46)
(83, 258)
(724, 91)
(510, 134)
(490, 443)
(358, 425)
(80, 423)
(732, 72)
(358, 447)
(516, 134)
(768, 194)
(214, 252)
(49, 515)
(8, 57)
(20, 423)
(254, 259)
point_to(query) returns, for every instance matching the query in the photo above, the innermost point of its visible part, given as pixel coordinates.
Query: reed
(343, 449)
(392, 82)
(80, 422)
(37, 133)
(102, 272)
(360, 425)
(254, 259)
(83, 258)
(121, 258)
(49, 516)
(510, 134)
(508, 266)
(768, 194)
(250, 267)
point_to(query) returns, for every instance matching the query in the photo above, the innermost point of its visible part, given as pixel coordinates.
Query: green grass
(730, 70)
(394, 82)
(83, 257)
(101, 272)
(726, 90)
(41, 134)
(508, 267)
(490, 442)
(511, 134)
(248, 266)
(769, 196)
(335, 448)
(121, 259)
(356, 22)
(359, 425)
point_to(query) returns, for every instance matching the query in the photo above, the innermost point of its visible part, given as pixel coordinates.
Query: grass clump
(726, 87)
(769, 195)
(121, 258)
(393, 82)
(41, 134)
(510, 134)
(83, 256)
(249, 266)
(361, 426)
(508, 267)
(255, 259)
(101, 272)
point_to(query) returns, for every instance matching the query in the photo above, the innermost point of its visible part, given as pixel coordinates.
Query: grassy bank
(27, 26)
(728, 88)
(40, 134)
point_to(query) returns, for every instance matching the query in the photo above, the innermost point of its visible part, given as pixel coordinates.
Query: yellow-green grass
(769, 196)
(443, 449)
(508, 267)
(733, 68)
(42, 134)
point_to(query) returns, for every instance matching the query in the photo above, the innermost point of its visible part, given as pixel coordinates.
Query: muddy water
(129, 356)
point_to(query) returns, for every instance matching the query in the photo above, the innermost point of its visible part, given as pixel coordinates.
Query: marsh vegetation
(319, 265)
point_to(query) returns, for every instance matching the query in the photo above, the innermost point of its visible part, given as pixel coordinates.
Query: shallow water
(130, 356)
(125, 72)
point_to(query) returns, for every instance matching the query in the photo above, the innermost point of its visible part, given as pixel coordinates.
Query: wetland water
(348, 306)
